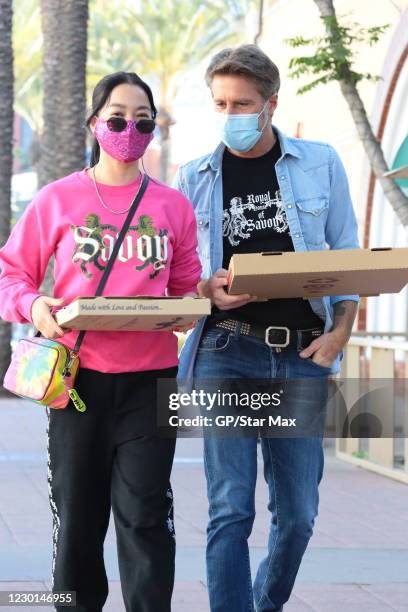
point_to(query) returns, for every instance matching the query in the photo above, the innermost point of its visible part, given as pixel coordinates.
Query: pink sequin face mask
(127, 145)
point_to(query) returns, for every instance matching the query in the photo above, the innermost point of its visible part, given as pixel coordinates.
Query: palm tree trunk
(72, 111)
(6, 151)
(164, 121)
(372, 147)
(165, 152)
(62, 147)
(50, 138)
(65, 25)
(260, 21)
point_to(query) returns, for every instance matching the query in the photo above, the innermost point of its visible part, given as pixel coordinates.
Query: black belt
(274, 336)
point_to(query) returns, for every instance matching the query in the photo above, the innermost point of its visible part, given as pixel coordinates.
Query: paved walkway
(357, 560)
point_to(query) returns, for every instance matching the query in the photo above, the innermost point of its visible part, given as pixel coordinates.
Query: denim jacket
(316, 198)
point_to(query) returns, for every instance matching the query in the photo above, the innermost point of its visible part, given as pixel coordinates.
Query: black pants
(112, 455)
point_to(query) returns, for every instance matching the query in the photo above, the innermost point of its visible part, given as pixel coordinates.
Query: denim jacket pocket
(312, 216)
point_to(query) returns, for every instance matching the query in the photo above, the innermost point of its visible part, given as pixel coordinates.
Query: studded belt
(275, 336)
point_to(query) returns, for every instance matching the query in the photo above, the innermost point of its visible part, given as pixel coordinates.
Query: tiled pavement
(357, 560)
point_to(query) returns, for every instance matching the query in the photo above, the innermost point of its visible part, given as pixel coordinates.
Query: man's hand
(325, 348)
(182, 329)
(43, 319)
(214, 289)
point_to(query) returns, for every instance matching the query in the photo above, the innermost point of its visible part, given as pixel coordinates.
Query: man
(262, 191)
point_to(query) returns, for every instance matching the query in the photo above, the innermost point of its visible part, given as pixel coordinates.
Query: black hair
(101, 94)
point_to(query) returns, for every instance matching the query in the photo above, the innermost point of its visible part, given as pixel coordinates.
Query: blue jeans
(293, 468)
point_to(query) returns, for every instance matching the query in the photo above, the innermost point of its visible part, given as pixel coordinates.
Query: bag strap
(115, 251)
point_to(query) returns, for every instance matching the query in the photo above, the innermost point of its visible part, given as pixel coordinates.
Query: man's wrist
(344, 314)
(341, 334)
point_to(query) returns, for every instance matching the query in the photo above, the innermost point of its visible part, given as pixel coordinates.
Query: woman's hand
(182, 329)
(214, 288)
(43, 319)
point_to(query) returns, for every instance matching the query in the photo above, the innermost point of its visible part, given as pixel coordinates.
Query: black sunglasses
(118, 124)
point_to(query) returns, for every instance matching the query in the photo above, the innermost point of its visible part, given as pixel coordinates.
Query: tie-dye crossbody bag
(43, 370)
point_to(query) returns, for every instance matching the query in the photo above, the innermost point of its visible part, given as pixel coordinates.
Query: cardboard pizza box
(312, 274)
(141, 313)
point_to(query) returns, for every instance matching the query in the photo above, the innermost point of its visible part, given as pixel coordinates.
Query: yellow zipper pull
(78, 403)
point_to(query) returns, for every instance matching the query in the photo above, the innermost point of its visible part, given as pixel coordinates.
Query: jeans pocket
(215, 340)
(317, 365)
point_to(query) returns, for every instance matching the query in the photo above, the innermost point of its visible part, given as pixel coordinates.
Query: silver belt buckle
(277, 345)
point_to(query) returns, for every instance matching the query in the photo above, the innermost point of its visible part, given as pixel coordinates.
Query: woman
(112, 453)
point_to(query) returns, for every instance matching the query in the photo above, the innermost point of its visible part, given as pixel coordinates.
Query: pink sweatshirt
(67, 220)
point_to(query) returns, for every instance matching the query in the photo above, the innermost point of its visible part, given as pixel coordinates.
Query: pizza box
(140, 313)
(314, 274)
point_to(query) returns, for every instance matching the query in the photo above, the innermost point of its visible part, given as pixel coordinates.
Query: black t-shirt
(254, 221)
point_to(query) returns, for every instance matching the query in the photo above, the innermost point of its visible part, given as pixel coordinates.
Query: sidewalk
(357, 560)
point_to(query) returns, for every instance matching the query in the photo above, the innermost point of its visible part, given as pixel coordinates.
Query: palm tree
(62, 144)
(161, 39)
(6, 151)
(173, 37)
(112, 43)
(27, 47)
(64, 26)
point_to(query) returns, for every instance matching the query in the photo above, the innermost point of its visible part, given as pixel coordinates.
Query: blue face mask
(240, 132)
